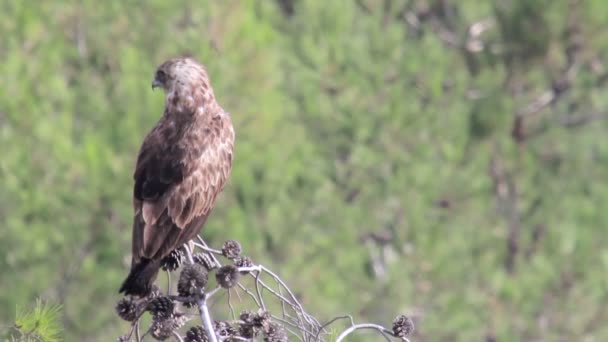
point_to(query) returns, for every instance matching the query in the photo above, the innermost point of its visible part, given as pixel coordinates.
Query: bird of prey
(181, 168)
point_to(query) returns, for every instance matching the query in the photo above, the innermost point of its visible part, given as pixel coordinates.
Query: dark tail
(140, 279)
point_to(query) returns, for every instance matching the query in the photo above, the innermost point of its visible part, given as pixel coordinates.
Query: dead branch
(268, 291)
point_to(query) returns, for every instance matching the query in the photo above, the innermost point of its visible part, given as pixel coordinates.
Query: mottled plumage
(181, 168)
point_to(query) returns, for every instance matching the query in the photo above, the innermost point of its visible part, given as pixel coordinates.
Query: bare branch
(382, 330)
(292, 317)
(206, 317)
(178, 337)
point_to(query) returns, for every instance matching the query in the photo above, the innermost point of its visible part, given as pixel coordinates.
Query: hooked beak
(156, 84)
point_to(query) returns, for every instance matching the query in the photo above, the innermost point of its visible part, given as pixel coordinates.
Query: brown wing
(175, 202)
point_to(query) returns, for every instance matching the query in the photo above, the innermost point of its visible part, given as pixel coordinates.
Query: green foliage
(379, 165)
(40, 323)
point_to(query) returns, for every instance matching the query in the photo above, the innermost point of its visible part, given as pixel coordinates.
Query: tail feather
(140, 279)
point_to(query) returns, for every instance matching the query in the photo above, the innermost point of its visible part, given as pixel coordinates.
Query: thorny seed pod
(173, 261)
(161, 307)
(247, 317)
(227, 276)
(163, 328)
(196, 334)
(206, 260)
(402, 326)
(275, 333)
(231, 249)
(192, 280)
(126, 308)
(247, 329)
(155, 292)
(189, 303)
(262, 320)
(223, 329)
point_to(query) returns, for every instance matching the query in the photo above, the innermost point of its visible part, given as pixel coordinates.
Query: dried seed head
(127, 309)
(247, 317)
(262, 320)
(196, 334)
(275, 333)
(155, 292)
(163, 328)
(189, 303)
(123, 338)
(231, 249)
(402, 326)
(161, 307)
(227, 276)
(247, 328)
(173, 261)
(206, 260)
(192, 280)
(224, 330)
(247, 331)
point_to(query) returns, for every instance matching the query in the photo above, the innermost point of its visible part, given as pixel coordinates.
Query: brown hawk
(181, 168)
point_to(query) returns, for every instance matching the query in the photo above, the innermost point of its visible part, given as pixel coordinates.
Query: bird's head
(185, 83)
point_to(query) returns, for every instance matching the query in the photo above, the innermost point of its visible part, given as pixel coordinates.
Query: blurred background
(442, 159)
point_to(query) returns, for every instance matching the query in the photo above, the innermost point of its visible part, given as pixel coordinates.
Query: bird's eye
(161, 76)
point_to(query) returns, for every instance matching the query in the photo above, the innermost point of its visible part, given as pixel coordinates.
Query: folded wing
(176, 189)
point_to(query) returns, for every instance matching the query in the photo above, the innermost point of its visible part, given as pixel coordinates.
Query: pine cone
(227, 276)
(231, 249)
(161, 307)
(196, 334)
(402, 326)
(163, 328)
(192, 280)
(127, 309)
(206, 260)
(275, 333)
(173, 261)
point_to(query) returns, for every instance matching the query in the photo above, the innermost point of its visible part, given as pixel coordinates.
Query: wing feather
(199, 190)
(172, 218)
